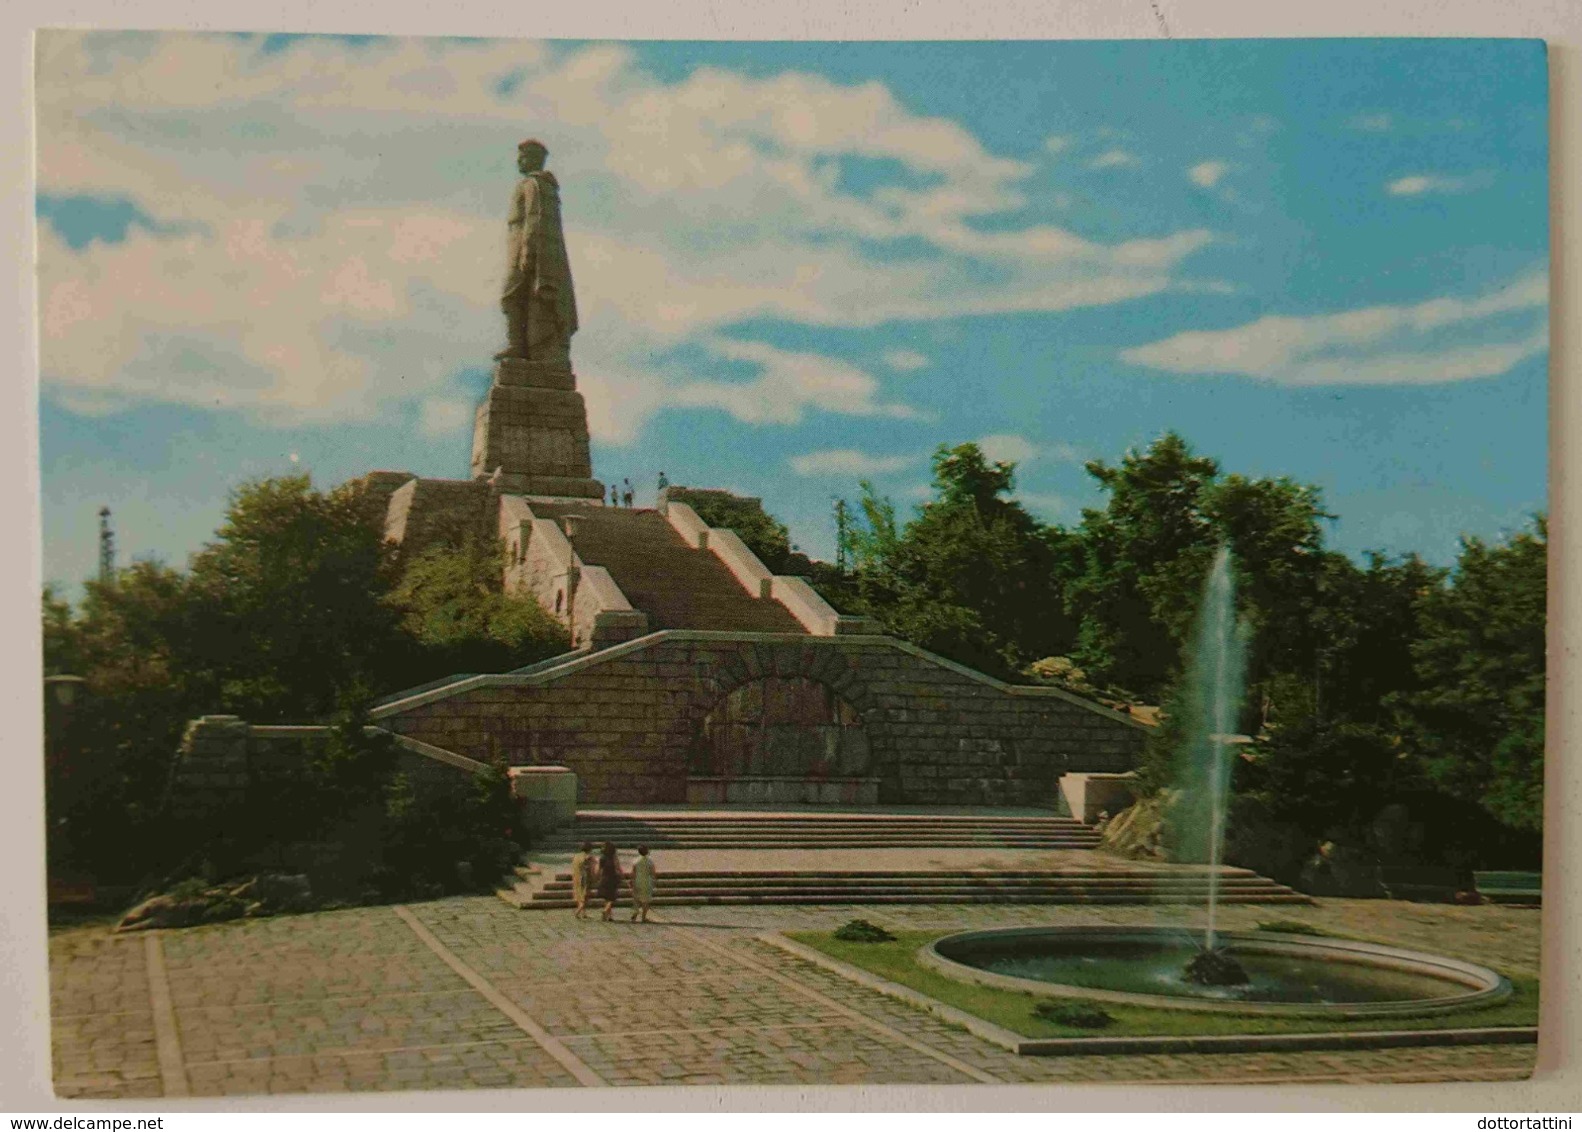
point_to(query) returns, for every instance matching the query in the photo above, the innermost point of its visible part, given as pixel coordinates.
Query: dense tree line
(297, 611)
(1389, 681)
(1385, 682)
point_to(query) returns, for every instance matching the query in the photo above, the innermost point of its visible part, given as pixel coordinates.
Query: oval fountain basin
(1290, 974)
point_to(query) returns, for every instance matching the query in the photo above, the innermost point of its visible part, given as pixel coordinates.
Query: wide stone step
(847, 829)
(679, 587)
(949, 894)
(1226, 876)
(671, 900)
(1127, 884)
(802, 834)
(945, 878)
(586, 817)
(852, 830)
(834, 843)
(947, 886)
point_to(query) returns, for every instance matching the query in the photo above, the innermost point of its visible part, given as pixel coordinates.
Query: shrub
(861, 931)
(1289, 927)
(1079, 1015)
(447, 841)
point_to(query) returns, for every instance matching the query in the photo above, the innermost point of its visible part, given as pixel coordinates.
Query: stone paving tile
(107, 1087)
(745, 1000)
(832, 1054)
(360, 951)
(102, 1028)
(94, 972)
(518, 1064)
(361, 1022)
(354, 1000)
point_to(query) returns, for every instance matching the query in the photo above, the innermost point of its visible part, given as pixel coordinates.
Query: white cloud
(787, 386)
(1420, 183)
(1056, 144)
(848, 462)
(1018, 449)
(905, 361)
(1008, 447)
(1439, 340)
(1114, 159)
(1207, 174)
(330, 224)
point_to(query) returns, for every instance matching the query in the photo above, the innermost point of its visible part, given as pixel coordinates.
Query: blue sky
(799, 265)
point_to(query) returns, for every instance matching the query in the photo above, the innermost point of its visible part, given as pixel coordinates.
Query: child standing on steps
(642, 884)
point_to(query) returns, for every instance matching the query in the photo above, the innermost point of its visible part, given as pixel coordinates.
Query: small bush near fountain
(1078, 1015)
(1289, 927)
(861, 931)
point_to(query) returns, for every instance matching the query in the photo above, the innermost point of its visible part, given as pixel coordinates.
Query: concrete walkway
(469, 993)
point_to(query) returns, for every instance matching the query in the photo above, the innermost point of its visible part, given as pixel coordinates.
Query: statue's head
(530, 155)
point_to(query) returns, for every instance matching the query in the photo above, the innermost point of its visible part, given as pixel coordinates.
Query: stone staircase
(678, 586)
(954, 886)
(684, 829)
(760, 842)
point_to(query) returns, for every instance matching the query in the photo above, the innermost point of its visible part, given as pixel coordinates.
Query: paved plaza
(471, 993)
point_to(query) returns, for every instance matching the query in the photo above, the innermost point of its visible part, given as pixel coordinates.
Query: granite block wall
(626, 719)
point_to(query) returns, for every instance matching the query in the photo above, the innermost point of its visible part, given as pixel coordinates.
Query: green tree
(453, 605)
(292, 600)
(1476, 719)
(972, 576)
(288, 614)
(1138, 562)
(1136, 567)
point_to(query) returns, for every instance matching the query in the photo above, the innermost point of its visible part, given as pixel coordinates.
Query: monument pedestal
(531, 432)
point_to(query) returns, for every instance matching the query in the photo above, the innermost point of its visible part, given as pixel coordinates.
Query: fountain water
(1211, 701)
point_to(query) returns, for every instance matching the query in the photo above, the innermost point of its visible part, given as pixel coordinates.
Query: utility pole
(106, 547)
(840, 535)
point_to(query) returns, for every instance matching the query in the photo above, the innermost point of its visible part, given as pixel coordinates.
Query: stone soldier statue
(540, 308)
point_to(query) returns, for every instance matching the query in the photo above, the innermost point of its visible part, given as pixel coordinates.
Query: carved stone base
(532, 429)
(539, 375)
(549, 487)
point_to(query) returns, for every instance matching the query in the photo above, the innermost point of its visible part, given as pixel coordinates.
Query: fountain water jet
(1212, 698)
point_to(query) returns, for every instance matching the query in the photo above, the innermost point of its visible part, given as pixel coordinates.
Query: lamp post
(60, 694)
(63, 689)
(570, 523)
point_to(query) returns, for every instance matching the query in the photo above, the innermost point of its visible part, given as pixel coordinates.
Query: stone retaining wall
(222, 757)
(625, 719)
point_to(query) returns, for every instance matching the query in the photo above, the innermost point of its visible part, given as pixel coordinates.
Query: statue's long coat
(538, 274)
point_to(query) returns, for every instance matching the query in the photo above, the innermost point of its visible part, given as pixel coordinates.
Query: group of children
(602, 875)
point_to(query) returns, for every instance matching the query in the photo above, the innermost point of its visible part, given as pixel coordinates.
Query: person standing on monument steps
(539, 304)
